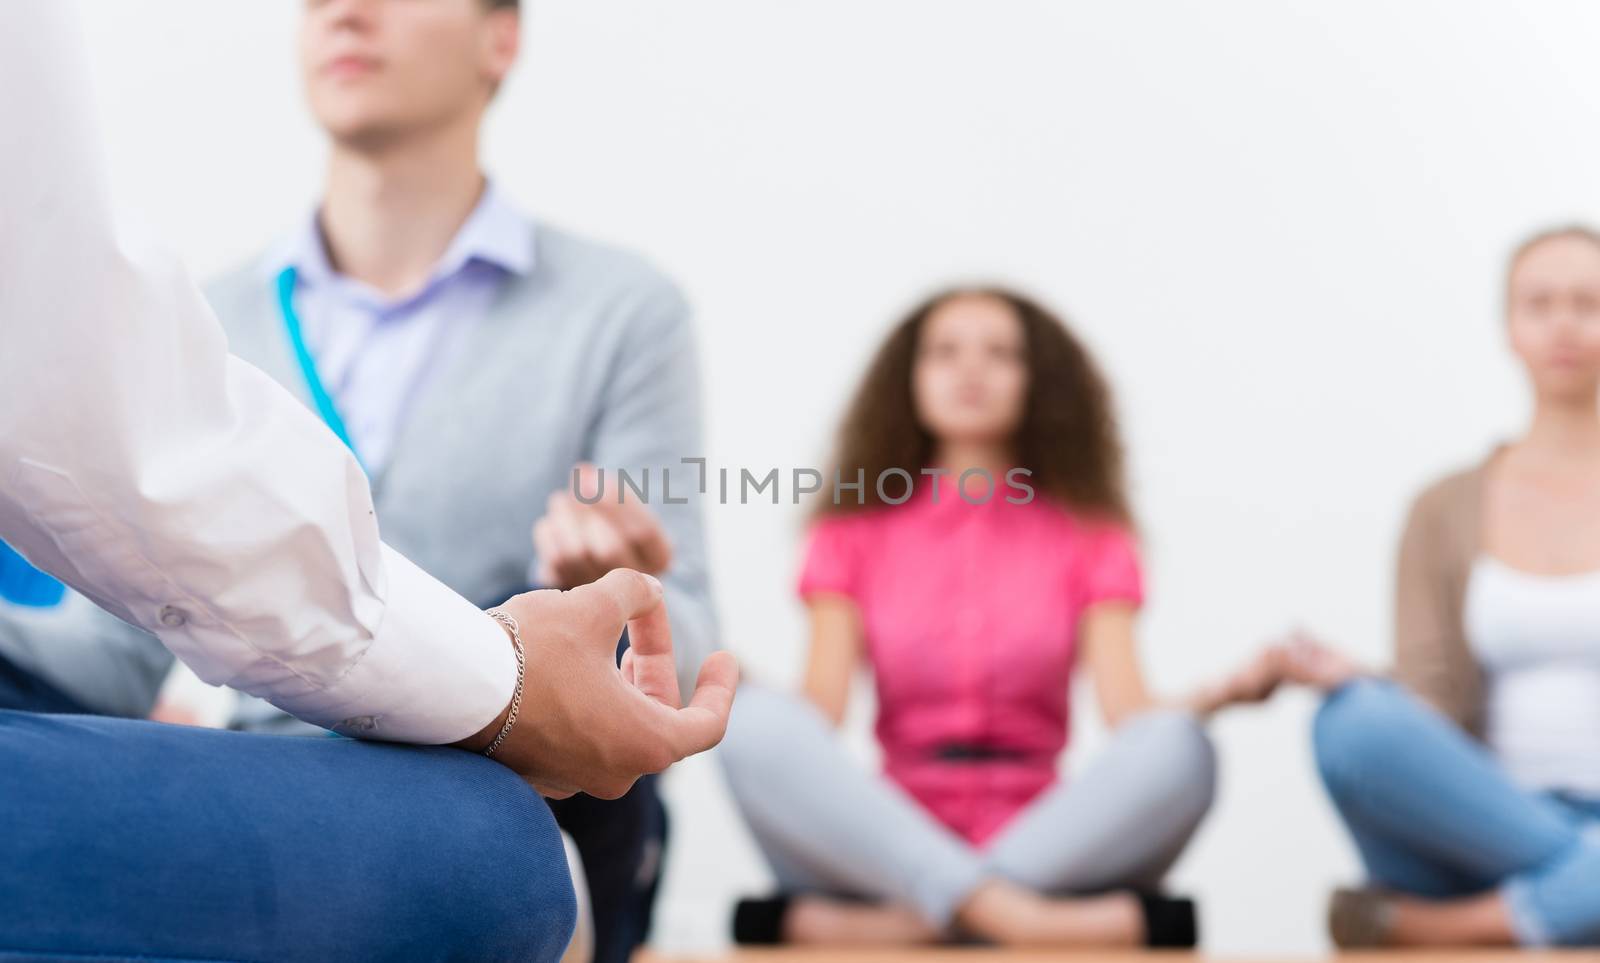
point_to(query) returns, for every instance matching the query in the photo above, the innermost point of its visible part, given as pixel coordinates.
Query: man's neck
(391, 212)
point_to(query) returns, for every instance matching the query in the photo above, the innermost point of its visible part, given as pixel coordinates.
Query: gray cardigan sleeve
(650, 418)
(107, 665)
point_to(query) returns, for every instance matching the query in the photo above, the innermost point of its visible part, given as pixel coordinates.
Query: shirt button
(172, 617)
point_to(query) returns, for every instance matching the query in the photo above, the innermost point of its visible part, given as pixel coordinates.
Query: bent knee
(508, 874)
(1187, 756)
(762, 721)
(1354, 726)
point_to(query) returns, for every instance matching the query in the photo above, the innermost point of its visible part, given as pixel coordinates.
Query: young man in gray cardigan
(472, 359)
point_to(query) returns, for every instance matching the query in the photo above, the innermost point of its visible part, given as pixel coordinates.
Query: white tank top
(1537, 638)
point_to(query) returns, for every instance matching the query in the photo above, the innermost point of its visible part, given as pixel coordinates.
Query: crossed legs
(829, 827)
(1469, 856)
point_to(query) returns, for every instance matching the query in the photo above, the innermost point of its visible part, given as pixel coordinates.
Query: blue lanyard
(308, 366)
(22, 584)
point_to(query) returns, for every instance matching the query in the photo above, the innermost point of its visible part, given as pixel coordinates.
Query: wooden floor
(952, 955)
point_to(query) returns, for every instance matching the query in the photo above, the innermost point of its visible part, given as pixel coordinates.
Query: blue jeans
(123, 839)
(1432, 814)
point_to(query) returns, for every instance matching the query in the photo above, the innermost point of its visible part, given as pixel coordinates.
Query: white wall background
(1280, 224)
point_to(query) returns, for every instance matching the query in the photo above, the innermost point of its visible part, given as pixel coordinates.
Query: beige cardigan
(1441, 540)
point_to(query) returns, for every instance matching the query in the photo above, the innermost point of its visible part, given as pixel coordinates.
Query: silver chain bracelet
(510, 623)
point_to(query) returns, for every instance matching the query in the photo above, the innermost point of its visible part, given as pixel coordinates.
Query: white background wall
(1280, 224)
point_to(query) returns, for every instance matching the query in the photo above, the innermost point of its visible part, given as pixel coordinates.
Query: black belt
(976, 752)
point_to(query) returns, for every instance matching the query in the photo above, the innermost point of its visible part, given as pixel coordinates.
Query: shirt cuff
(437, 671)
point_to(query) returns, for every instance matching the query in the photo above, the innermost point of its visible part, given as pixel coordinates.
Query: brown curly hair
(1068, 438)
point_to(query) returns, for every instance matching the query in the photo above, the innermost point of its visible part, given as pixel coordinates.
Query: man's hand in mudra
(576, 543)
(586, 725)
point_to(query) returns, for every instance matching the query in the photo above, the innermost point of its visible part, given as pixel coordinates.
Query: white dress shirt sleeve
(178, 486)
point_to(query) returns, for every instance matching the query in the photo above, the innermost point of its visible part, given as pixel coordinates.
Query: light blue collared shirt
(374, 353)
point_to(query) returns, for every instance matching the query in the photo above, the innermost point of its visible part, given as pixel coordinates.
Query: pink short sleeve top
(971, 615)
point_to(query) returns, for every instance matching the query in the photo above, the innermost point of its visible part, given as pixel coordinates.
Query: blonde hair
(1576, 230)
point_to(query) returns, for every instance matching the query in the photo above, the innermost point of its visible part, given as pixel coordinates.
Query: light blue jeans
(1434, 815)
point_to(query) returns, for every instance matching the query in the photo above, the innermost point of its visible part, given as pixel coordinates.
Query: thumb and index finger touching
(633, 598)
(624, 513)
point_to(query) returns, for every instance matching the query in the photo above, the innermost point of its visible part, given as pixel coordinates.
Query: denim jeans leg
(132, 839)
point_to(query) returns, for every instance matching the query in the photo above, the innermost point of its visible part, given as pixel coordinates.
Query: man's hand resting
(577, 543)
(586, 726)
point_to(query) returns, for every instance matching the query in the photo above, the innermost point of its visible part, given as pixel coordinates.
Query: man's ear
(503, 41)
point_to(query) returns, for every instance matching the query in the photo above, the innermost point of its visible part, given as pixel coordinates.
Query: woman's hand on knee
(1252, 683)
(1312, 662)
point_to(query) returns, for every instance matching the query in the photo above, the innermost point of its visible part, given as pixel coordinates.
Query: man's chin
(351, 117)
(366, 133)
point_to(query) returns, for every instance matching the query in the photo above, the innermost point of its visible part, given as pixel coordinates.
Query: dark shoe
(1359, 918)
(1169, 922)
(759, 922)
